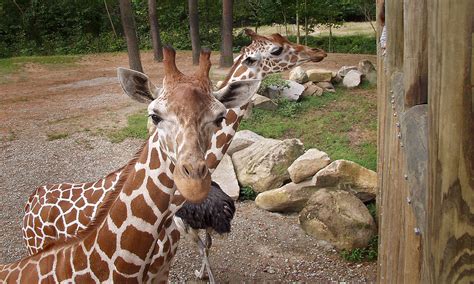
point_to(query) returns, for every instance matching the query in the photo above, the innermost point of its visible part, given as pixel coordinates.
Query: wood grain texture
(449, 255)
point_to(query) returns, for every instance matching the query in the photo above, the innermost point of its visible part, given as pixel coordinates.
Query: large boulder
(352, 79)
(292, 91)
(348, 175)
(338, 217)
(319, 75)
(308, 164)
(291, 197)
(225, 176)
(263, 165)
(299, 75)
(311, 89)
(242, 139)
(262, 102)
(368, 69)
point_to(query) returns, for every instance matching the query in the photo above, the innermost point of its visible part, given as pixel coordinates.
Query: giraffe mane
(101, 212)
(231, 71)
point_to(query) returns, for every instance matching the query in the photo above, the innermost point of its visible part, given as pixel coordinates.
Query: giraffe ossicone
(142, 205)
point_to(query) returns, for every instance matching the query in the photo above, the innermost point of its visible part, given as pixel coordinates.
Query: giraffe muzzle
(193, 180)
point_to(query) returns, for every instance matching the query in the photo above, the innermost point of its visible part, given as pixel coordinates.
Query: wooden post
(449, 250)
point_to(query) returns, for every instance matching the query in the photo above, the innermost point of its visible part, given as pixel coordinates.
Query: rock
(308, 164)
(243, 139)
(327, 87)
(291, 92)
(347, 175)
(319, 75)
(368, 69)
(312, 89)
(345, 69)
(262, 102)
(225, 176)
(352, 79)
(263, 165)
(219, 84)
(336, 79)
(365, 67)
(291, 197)
(299, 75)
(338, 217)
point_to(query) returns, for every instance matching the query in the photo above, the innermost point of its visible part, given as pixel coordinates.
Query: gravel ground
(39, 101)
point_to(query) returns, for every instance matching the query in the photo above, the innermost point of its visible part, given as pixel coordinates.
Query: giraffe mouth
(193, 183)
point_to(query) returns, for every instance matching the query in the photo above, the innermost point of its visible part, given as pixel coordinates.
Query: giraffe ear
(237, 94)
(137, 85)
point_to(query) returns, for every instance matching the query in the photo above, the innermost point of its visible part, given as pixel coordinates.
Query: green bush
(247, 193)
(344, 44)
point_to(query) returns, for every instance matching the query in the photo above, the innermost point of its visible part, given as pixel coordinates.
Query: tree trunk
(194, 30)
(330, 38)
(155, 31)
(305, 24)
(128, 23)
(297, 23)
(226, 59)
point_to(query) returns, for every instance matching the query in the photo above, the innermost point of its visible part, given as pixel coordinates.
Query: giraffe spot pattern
(126, 267)
(141, 210)
(129, 241)
(100, 267)
(107, 247)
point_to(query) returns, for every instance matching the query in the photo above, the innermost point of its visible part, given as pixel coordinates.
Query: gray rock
(308, 164)
(338, 217)
(345, 69)
(368, 69)
(312, 89)
(327, 87)
(225, 176)
(319, 75)
(352, 79)
(242, 139)
(262, 102)
(263, 165)
(291, 197)
(347, 175)
(291, 92)
(299, 75)
(336, 79)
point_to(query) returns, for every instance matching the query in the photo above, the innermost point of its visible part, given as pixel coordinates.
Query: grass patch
(247, 193)
(136, 128)
(56, 136)
(343, 124)
(14, 64)
(369, 253)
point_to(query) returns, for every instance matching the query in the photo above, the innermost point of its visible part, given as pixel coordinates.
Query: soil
(78, 103)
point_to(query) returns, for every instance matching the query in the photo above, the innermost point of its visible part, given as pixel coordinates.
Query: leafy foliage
(369, 253)
(33, 27)
(247, 193)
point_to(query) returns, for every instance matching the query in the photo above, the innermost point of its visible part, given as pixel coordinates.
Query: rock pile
(314, 82)
(327, 194)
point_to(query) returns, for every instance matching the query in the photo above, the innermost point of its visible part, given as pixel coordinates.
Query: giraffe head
(271, 54)
(186, 113)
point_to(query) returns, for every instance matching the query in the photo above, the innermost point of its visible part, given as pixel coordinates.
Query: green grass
(247, 193)
(14, 64)
(369, 253)
(330, 123)
(136, 128)
(56, 136)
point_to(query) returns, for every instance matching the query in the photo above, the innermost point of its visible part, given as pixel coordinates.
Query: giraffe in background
(141, 207)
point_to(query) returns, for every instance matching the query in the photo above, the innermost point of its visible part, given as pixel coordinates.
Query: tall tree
(128, 23)
(155, 31)
(194, 30)
(227, 57)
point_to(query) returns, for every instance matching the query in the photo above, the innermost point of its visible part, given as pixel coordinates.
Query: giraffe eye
(277, 51)
(250, 61)
(219, 120)
(156, 119)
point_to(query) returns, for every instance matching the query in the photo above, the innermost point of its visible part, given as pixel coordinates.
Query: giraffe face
(186, 114)
(278, 54)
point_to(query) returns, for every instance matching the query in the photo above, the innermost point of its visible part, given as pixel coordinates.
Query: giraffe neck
(108, 250)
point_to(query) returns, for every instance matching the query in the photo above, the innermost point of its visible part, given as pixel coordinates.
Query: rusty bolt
(417, 231)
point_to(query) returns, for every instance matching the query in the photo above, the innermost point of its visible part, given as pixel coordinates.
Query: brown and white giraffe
(61, 211)
(131, 236)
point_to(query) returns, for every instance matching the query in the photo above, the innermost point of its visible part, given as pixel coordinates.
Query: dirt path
(81, 101)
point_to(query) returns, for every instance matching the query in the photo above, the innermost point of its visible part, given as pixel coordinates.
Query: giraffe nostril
(202, 170)
(186, 169)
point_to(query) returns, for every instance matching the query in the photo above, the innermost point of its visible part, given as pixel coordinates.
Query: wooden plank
(449, 255)
(415, 52)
